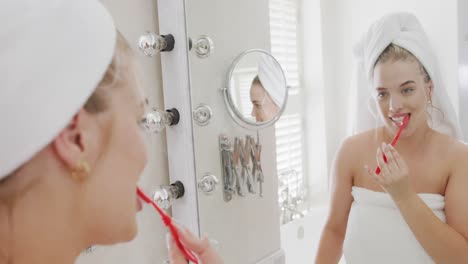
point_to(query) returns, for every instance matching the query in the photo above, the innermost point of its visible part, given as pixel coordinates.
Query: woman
(413, 211)
(70, 130)
(264, 107)
(268, 90)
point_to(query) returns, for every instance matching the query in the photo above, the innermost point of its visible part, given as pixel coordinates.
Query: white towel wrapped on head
(272, 78)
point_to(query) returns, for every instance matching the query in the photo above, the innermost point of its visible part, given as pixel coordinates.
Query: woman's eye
(407, 90)
(381, 95)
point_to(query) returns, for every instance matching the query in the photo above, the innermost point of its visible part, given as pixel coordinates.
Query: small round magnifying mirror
(256, 90)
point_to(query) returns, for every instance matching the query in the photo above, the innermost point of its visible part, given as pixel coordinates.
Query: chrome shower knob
(151, 44)
(208, 184)
(203, 47)
(156, 120)
(166, 194)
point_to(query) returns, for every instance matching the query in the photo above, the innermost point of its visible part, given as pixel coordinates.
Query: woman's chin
(133, 234)
(125, 233)
(130, 232)
(405, 133)
(393, 129)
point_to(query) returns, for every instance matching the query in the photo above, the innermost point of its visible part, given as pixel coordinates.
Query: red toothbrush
(395, 139)
(168, 222)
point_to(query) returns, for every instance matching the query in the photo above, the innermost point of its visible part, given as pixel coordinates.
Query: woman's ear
(68, 145)
(431, 89)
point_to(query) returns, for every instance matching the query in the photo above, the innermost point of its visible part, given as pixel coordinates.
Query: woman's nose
(395, 104)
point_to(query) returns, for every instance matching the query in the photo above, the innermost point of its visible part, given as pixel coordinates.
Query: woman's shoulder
(457, 157)
(452, 149)
(350, 153)
(352, 146)
(363, 138)
(453, 145)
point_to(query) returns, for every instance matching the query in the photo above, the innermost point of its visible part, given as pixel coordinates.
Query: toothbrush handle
(394, 141)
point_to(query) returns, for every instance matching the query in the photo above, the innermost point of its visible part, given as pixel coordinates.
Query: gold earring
(81, 169)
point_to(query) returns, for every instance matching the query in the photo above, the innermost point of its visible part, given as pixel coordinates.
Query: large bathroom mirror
(312, 44)
(225, 58)
(256, 90)
(237, 58)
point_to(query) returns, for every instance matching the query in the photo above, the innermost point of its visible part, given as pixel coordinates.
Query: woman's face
(400, 90)
(112, 186)
(263, 107)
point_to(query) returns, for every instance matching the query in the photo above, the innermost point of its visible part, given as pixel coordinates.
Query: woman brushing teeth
(410, 210)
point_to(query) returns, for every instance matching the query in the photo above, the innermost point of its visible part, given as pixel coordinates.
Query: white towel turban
(53, 54)
(272, 78)
(404, 30)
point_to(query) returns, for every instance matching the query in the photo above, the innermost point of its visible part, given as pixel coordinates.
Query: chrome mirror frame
(231, 107)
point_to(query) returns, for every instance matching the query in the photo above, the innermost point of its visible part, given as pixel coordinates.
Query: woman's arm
(445, 243)
(331, 242)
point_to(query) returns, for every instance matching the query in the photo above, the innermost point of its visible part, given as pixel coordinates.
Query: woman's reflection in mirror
(263, 106)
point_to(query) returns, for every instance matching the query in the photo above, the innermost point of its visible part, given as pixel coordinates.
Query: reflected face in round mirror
(263, 106)
(256, 92)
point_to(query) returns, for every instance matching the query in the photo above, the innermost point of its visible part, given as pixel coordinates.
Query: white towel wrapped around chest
(377, 232)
